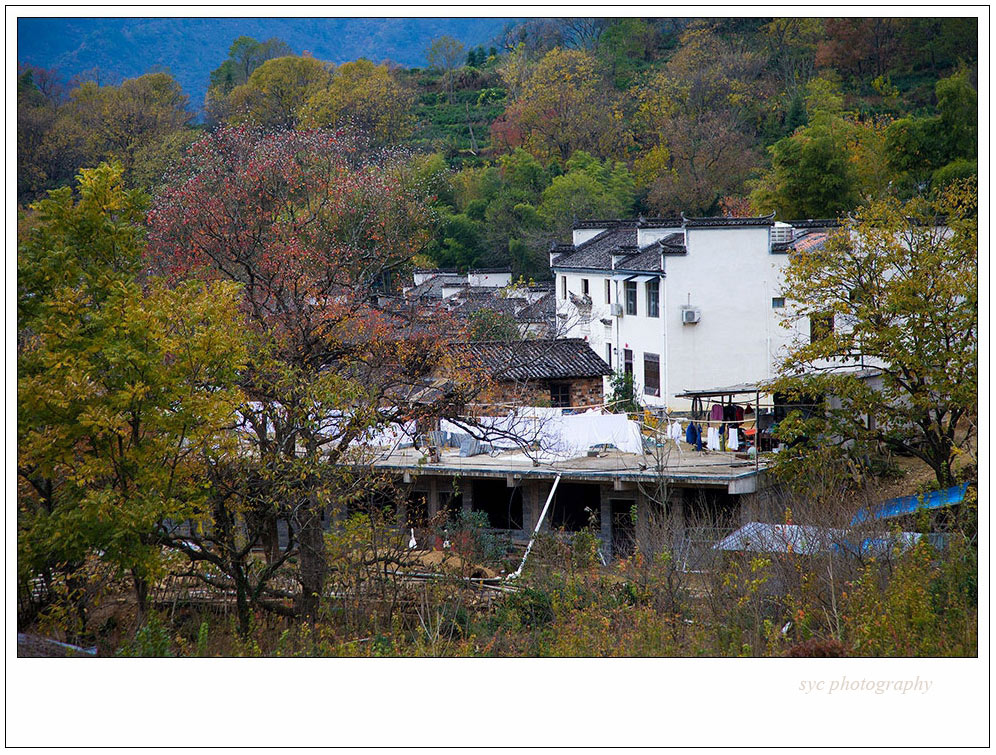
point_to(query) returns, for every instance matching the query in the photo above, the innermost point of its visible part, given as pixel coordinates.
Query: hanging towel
(734, 442)
(712, 439)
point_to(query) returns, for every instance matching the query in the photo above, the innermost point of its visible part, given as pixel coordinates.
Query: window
(820, 326)
(777, 302)
(630, 297)
(654, 298)
(608, 354)
(652, 374)
(560, 394)
(628, 361)
(608, 292)
(563, 287)
(584, 286)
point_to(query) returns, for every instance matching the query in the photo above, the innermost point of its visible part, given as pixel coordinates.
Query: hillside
(190, 48)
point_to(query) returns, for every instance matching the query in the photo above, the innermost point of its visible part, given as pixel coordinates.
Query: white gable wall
(731, 276)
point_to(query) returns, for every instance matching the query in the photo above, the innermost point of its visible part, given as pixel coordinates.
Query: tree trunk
(311, 543)
(141, 593)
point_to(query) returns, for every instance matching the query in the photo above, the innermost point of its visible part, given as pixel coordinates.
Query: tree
(693, 122)
(244, 56)
(589, 189)
(119, 390)
(276, 92)
(565, 105)
(919, 147)
(364, 96)
(812, 174)
(445, 54)
(903, 294)
(313, 228)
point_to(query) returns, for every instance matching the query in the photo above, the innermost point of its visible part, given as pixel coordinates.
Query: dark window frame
(631, 298)
(651, 374)
(653, 299)
(560, 395)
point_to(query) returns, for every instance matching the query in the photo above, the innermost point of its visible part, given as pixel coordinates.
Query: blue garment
(690, 433)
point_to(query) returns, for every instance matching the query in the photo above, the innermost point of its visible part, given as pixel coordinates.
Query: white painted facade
(729, 274)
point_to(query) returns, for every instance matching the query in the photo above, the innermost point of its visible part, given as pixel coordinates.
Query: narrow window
(608, 354)
(654, 298)
(630, 297)
(608, 292)
(560, 394)
(777, 302)
(652, 374)
(820, 326)
(628, 361)
(584, 286)
(563, 287)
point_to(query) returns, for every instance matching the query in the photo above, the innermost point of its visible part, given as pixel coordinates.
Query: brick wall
(583, 392)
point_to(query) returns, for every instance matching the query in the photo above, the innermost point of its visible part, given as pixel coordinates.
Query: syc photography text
(876, 686)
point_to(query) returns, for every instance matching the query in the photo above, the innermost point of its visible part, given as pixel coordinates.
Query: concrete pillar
(433, 503)
(532, 503)
(467, 489)
(605, 520)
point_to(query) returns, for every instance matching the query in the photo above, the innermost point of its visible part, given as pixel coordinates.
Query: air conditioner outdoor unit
(690, 315)
(617, 309)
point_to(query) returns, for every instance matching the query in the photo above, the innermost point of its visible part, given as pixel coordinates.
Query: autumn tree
(899, 283)
(364, 96)
(119, 389)
(693, 123)
(312, 226)
(565, 104)
(276, 92)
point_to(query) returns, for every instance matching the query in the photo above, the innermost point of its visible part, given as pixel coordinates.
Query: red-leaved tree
(314, 227)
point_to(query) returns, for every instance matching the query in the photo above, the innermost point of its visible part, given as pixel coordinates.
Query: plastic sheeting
(552, 434)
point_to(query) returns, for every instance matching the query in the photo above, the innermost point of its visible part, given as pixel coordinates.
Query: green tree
(812, 174)
(445, 54)
(589, 189)
(119, 390)
(903, 294)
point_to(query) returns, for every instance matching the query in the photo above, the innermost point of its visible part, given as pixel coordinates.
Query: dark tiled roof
(728, 222)
(597, 223)
(540, 359)
(815, 223)
(433, 287)
(543, 309)
(597, 252)
(673, 222)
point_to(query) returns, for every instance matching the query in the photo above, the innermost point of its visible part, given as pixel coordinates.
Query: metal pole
(757, 432)
(539, 523)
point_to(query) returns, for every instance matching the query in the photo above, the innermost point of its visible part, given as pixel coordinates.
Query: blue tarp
(910, 504)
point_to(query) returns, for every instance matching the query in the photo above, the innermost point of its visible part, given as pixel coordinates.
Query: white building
(683, 303)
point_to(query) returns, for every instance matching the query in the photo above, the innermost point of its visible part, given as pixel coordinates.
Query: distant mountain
(190, 48)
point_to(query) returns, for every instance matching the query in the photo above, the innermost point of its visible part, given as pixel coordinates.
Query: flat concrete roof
(679, 467)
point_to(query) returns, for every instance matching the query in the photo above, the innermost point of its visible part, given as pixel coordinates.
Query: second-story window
(608, 292)
(584, 286)
(654, 298)
(630, 297)
(563, 287)
(628, 361)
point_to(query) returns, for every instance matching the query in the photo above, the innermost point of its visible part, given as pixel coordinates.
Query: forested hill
(543, 121)
(190, 48)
